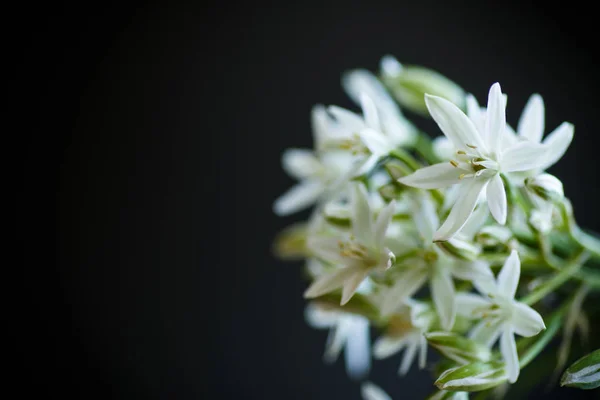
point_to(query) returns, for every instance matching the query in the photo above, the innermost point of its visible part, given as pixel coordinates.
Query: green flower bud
(546, 186)
(458, 348)
(396, 170)
(473, 377)
(409, 84)
(390, 192)
(445, 395)
(493, 235)
(583, 373)
(459, 249)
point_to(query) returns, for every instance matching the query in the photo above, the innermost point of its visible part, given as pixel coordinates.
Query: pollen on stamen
(461, 152)
(454, 163)
(471, 146)
(461, 176)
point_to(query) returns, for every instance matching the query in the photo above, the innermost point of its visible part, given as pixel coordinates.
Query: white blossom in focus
(481, 158)
(500, 315)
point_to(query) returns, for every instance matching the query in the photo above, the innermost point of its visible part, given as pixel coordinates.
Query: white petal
(523, 156)
(370, 112)
(300, 163)
(320, 125)
(330, 282)
(383, 221)
(475, 222)
(462, 209)
(366, 165)
(474, 112)
(472, 271)
(361, 81)
(443, 294)
(318, 317)
(426, 218)
(508, 278)
(408, 357)
(422, 351)
(443, 148)
(352, 283)
(386, 346)
(495, 121)
(407, 283)
(433, 177)
(454, 123)
(376, 142)
(358, 345)
(508, 348)
(349, 121)
(557, 142)
(486, 332)
(470, 305)
(526, 321)
(298, 197)
(336, 339)
(531, 123)
(327, 248)
(496, 197)
(362, 217)
(369, 391)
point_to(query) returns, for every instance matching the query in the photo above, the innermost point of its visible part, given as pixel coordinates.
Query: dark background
(149, 148)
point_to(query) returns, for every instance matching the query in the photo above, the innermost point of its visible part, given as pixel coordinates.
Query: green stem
(553, 327)
(557, 280)
(406, 158)
(585, 240)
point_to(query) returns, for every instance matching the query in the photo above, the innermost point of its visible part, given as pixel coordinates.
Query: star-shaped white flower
(355, 255)
(501, 315)
(346, 331)
(433, 265)
(481, 158)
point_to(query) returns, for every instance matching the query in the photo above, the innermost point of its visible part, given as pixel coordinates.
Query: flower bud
(290, 244)
(458, 348)
(390, 191)
(460, 249)
(409, 84)
(546, 186)
(473, 377)
(584, 373)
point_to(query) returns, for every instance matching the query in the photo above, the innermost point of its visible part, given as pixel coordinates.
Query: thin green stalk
(557, 280)
(406, 158)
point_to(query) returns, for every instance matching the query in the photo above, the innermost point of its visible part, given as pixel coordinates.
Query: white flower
(481, 159)
(405, 331)
(501, 315)
(370, 391)
(346, 331)
(431, 264)
(354, 255)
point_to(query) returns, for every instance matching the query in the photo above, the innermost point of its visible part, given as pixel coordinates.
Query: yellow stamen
(471, 146)
(454, 163)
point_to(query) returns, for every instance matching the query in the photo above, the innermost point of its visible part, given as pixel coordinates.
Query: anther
(454, 163)
(461, 176)
(462, 152)
(471, 146)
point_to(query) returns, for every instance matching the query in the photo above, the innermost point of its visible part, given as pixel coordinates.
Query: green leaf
(458, 348)
(583, 373)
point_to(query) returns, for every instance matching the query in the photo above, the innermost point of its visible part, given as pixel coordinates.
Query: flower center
(353, 249)
(354, 144)
(473, 162)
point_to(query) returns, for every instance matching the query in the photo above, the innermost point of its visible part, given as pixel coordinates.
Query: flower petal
(370, 391)
(531, 123)
(472, 271)
(471, 306)
(453, 123)
(318, 317)
(320, 125)
(474, 112)
(486, 332)
(370, 112)
(330, 282)
(433, 177)
(496, 197)
(422, 351)
(462, 209)
(383, 221)
(475, 222)
(443, 148)
(557, 143)
(524, 156)
(352, 283)
(349, 121)
(526, 321)
(425, 216)
(508, 348)
(298, 197)
(443, 295)
(327, 249)
(386, 346)
(408, 357)
(407, 283)
(357, 353)
(495, 121)
(508, 278)
(362, 217)
(377, 143)
(300, 163)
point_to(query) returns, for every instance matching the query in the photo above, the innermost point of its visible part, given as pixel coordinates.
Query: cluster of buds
(462, 243)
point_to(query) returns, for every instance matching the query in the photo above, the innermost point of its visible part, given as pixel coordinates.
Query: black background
(149, 148)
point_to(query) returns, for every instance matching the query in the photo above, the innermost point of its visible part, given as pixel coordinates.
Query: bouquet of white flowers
(455, 243)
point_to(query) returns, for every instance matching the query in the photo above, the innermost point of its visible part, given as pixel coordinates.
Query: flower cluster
(444, 243)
